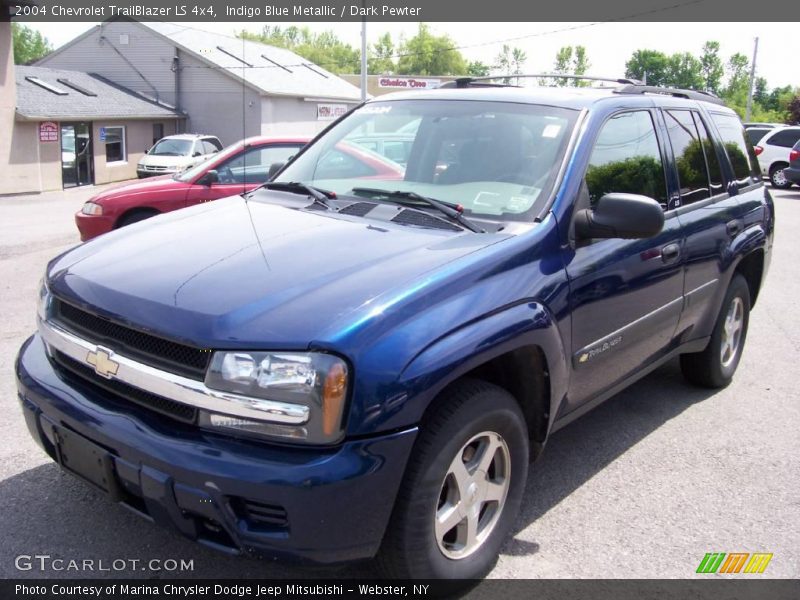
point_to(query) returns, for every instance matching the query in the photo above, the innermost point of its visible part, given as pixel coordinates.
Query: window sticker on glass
(375, 109)
(519, 204)
(551, 131)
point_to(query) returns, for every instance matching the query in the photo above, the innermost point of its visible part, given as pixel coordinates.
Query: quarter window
(626, 158)
(115, 144)
(740, 152)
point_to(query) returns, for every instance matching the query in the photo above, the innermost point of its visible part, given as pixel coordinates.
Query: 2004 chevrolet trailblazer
(336, 366)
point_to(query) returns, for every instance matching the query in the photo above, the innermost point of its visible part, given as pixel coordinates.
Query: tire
(714, 367)
(778, 178)
(135, 217)
(472, 417)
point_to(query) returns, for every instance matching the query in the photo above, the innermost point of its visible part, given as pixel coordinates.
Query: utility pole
(752, 83)
(363, 53)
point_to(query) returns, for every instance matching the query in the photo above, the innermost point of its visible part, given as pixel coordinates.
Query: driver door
(625, 295)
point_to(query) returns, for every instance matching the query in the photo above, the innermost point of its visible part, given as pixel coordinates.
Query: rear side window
(690, 159)
(626, 158)
(712, 160)
(785, 138)
(740, 151)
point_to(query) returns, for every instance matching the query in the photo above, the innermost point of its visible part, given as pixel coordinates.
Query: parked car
(238, 169)
(756, 131)
(792, 172)
(175, 153)
(773, 154)
(331, 368)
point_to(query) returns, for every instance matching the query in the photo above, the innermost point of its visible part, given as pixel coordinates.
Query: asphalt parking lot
(641, 487)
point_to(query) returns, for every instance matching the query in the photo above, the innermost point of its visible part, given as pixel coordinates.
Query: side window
(712, 160)
(740, 152)
(253, 165)
(689, 157)
(626, 158)
(785, 138)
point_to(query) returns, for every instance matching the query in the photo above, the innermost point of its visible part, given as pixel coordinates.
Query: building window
(158, 132)
(115, 144)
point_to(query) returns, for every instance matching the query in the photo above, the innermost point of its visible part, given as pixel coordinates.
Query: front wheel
(714, 367)
(462, 488)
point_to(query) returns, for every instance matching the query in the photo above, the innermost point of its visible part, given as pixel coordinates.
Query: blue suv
(341, 365)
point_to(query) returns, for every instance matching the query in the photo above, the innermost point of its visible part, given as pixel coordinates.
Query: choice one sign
(409, 83)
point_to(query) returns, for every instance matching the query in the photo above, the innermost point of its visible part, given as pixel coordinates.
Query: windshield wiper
(453, 211)
(319, 195)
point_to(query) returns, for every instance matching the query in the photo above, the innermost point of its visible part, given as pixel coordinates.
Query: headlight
(90, 208)
(318, 381)
(43, 300)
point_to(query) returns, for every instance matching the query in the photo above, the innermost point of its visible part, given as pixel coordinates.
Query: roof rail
(677, 92)
(463, 82)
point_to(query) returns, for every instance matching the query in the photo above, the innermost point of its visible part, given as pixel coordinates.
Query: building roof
(271, 70)
(44, 94)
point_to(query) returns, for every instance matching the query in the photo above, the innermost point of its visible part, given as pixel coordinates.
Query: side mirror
(196, 154)
(210, 178)
(617, 215)
(274, 168)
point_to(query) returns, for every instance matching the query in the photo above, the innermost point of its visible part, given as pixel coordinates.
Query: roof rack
(463, 82)
(677, 92)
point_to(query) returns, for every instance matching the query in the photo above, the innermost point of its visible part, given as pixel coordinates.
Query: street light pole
(363, 53)
(752, 82)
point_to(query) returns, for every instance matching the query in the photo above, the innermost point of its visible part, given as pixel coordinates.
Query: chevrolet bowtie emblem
(100, 359)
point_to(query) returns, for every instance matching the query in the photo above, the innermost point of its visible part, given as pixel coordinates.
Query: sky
(608, 44)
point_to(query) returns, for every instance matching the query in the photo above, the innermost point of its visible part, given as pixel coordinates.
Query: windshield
(168, 147)
(497, 160)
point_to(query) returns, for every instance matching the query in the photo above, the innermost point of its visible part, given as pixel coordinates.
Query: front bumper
(90, 226)
(316, 505)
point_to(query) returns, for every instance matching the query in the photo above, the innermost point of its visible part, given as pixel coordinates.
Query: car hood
(160, 160)
(142, 186)
(238, 273)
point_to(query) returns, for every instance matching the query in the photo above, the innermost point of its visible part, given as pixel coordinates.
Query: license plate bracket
(82, 457)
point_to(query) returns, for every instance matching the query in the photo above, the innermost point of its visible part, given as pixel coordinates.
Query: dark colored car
(238, 169)
(331, 369)
(792, 172)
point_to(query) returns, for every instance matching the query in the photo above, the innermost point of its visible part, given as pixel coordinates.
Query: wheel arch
(518, 349)
(148, 210)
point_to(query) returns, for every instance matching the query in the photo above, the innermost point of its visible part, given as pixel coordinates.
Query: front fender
(462, 350)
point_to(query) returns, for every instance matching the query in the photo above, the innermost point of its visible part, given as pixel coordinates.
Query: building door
(77, 158)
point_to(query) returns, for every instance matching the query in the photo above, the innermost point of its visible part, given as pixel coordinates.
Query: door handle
(733, 227)
(670, 252)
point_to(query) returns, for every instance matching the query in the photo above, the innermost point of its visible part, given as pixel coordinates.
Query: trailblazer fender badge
(100, 359)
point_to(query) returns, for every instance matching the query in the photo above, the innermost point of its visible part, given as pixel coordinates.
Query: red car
(237, 169)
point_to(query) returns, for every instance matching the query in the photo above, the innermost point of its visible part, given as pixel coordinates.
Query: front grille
(260, 513)
(421, 219)
(144, 347)
(124, 393)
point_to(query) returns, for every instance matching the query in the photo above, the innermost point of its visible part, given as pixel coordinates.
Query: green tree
(324, 49)
(738, 74)
(760, 94)
(685, 71)
(711, 67)
(429, 54)
(381, 56)
(794, 111)
(509, 61)
(478, 69)
(569, 61)
(29, 44)
(651, 65)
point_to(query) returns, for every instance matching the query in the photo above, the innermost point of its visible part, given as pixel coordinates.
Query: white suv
(773, 154)
(175, 153)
